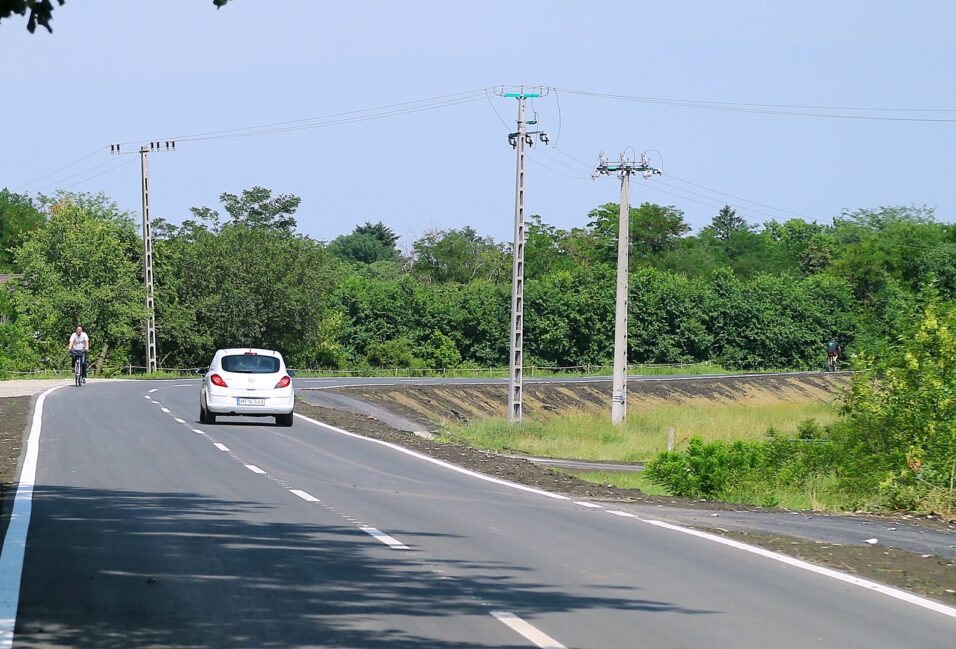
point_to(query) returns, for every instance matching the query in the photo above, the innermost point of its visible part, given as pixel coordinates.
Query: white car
(248, 382)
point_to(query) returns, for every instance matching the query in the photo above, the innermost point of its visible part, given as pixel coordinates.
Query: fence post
(670, 438)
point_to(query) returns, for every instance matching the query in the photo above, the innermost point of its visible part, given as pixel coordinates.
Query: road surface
(151, 530)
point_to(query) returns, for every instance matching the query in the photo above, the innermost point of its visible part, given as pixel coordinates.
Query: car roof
(247, 350)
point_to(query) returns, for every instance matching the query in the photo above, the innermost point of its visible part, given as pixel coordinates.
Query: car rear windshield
(250, 364)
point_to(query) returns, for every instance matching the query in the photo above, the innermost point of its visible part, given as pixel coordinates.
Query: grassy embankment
(592, 436)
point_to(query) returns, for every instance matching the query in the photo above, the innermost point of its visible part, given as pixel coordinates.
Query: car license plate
(243, 401)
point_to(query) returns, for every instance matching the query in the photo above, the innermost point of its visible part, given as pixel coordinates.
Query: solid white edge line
(304, 495)
(15, 541)
(827, 572)
(441, 463)
(527, 630)
(254, 468)
(390, 541)
(587, 504)
(895, 593)
(221, 447)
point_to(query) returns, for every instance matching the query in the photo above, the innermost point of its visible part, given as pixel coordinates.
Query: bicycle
(832, 361)
(78, 371)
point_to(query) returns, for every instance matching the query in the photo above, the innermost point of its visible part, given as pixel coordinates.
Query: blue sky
(119, 71)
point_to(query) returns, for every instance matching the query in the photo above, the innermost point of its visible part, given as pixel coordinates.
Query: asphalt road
(149, 529)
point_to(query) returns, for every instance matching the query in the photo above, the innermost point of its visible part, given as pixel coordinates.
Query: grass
(592, 436)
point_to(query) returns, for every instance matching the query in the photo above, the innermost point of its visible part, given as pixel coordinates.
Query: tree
(255, 208)
(41, 11)
(18, 217)
(366, 244)
(727, 222)
(384, 234)
(82, 267)
(458, 256)
(653, 229)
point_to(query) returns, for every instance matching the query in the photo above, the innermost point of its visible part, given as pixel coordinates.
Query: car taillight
(217, 380)
(284, 382)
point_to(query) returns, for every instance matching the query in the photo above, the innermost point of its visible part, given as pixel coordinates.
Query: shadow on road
(119, 569)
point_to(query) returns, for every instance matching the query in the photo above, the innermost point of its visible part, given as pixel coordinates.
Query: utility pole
(623, 169)
(518, 140)
(144, 151)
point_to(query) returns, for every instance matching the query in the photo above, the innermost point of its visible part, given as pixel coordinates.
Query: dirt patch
(14, 412)
(437, 405)
(921, 573)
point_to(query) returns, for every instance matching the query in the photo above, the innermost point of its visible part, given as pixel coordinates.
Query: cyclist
(834, 351)
(79, 347)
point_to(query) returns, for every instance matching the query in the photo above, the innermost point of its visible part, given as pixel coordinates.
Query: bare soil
(435, 406)
(14, 413)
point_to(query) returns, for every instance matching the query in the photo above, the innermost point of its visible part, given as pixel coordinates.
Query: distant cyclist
(79, 347)
(834, 352)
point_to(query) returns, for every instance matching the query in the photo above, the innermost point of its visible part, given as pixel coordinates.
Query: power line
(74, 175)
(335, 119)
(778, 109)
(125, 163)
(66, 166)
(739, 198)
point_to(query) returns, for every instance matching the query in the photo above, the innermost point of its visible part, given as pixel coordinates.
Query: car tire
(284, 420)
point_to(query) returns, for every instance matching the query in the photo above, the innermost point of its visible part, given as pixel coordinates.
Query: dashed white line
(305, 495)
(153, 390)
(587, 504)
(527, 631)
(165, 409)
(253, 468)
(384, 538)
(147, 397)
(221, 447)
(198, 432)
(182, 421)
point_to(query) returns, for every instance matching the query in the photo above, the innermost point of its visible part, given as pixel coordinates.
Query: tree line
(734, 293)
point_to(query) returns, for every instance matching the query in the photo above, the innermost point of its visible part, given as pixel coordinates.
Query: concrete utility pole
(144, 151)
(518, 140)
(624, 169)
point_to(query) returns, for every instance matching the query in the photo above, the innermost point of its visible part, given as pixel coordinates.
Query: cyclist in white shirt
(79, 347)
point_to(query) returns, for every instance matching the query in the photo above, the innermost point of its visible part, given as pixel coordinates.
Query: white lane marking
(527, 631)
(198, 432)
(147, 397)
(165, 409)
(426, 458)
(182, 421)
(305, 495)
(384, 538)
(253, 468)
(587, 504)
(827, 572)
(153, 390)
(221, 447)
(183, 385)
(15, 542)
(820, 570)
(620, 513)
